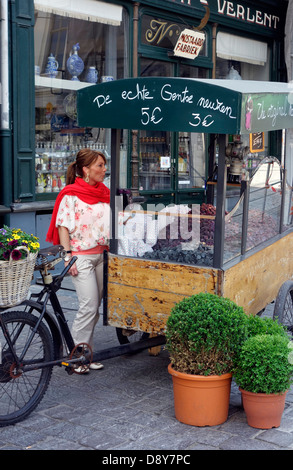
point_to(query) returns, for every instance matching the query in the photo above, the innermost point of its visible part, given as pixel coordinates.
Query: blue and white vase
(92, 75)
(74, 63)
(51, 69)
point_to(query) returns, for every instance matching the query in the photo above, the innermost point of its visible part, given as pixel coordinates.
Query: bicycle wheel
(283, 310)
(130, 336)
(21, 391)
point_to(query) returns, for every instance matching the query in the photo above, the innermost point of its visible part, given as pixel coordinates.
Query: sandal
(96, 366)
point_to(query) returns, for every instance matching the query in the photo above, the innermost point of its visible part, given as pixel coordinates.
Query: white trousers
(89, 288)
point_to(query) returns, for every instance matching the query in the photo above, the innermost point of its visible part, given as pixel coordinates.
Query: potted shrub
(264, 374)
(256, 325)
(204, 334)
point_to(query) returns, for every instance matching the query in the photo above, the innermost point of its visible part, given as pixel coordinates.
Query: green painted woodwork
(23, 99)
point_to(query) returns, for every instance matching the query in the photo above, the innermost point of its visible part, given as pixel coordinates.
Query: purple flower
(13, 243)
(3, 231)
(6, 254)
(16, 255)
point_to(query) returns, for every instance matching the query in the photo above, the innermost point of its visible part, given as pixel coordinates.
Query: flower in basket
(12, 239)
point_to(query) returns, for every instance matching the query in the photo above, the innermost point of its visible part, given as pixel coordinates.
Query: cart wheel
(283, 311)
(130, 336)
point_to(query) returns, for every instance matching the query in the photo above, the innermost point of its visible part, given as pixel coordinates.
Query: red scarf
(84, 192)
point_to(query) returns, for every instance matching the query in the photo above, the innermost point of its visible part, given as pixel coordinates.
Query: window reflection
(264, 210)
(264, 203)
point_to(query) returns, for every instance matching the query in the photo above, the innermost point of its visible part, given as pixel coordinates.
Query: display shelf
(48, 82)
(228, 184)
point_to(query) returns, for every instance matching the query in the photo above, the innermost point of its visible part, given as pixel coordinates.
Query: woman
(80, 222)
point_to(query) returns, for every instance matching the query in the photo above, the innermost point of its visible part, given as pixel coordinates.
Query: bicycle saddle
(51, 250)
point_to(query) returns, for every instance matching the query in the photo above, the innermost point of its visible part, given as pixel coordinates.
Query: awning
(187, 104)
(90, 10)
(233, 47)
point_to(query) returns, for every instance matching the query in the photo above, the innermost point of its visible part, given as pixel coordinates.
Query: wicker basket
(15, 279)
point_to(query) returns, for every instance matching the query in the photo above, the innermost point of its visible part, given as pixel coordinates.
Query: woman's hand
(73, 270)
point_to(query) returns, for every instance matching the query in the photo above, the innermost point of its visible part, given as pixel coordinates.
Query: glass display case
(263, 200)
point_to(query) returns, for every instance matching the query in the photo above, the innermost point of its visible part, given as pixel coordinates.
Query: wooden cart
(141, 292)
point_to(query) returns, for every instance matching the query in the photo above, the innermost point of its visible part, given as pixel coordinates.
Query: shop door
(172, 167)
(156, 167)
(171, 164)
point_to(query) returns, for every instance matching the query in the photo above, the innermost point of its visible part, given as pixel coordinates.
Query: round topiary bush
(263, 366)
(204, 334)
(264, 325)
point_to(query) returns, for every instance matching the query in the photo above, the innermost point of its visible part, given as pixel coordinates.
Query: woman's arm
(65, 242)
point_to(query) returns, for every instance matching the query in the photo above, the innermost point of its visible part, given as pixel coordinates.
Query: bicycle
(33, 341)
(283, 311)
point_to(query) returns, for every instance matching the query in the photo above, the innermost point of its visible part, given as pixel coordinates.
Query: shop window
(240, 58)
(100, 46)
(155, 68)
(188, 71)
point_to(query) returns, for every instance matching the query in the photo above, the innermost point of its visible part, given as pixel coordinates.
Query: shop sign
(265, 112)
(238, 11)
(189, 44)
(256, 142)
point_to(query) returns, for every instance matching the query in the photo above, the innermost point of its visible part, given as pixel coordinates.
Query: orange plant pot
(201, 400)
(263, 411)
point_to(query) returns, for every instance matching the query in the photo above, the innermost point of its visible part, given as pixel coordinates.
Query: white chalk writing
(273, 111)
(216, 106)
(169, 93)
(183, 96)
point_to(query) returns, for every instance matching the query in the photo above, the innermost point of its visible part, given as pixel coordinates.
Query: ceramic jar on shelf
(74, 63)
(92, 75)
(51, 69)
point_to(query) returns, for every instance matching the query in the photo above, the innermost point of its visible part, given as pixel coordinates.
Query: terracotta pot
(263, 411)
(201, 400)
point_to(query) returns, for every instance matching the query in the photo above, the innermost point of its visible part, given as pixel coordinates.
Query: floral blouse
(88, 224)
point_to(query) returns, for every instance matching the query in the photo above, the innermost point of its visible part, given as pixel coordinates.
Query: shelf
(47, 82)
(154, 173)
(228, 184)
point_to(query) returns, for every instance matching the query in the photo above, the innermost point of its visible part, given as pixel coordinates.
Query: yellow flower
(34, 245)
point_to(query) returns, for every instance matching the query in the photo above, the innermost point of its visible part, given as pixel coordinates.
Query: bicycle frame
(58, 315)
(59, 327)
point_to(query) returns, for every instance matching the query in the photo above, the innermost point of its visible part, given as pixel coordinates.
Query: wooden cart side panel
(141, 293)
(254, 282)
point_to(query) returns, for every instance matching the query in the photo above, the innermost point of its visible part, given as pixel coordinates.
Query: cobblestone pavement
(129, 406)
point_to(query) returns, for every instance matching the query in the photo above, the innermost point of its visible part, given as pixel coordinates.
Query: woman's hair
(85, 157)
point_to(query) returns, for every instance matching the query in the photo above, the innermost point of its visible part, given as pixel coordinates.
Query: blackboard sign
(257, 142)
(186, 104)
(163, 104)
